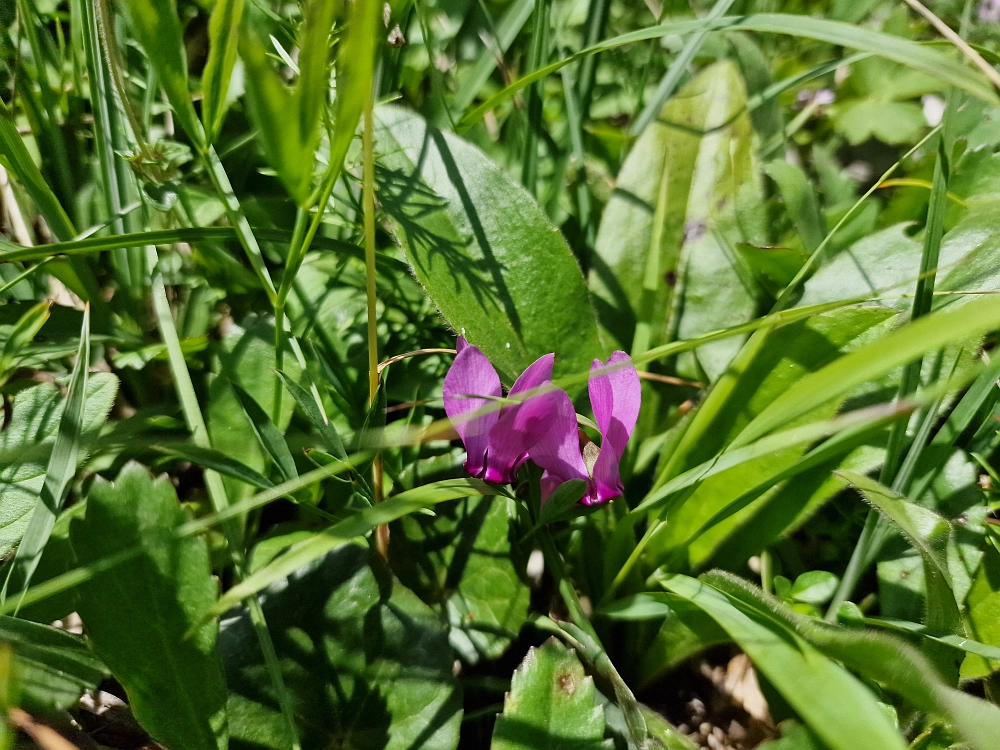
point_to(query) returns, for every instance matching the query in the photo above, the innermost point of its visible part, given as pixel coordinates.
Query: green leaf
(842, 712)
(562, 501)
(26, 443)
(357, 525)
(876, 359)
(487, 255)
(23, 334)
(53, 667)
(355, 72)
(213, 460)
(156, 25)
(506, 31)
(305, 401)
(982, 614)
(911, 54)
(772, 267)
(367, 663)
(15, 159)
(800, 202)
(766, 369)
(462, 559)
(288, 120)
(268, 435)
(688, 192)
(814, 587)
(246, 359)
(140, 617)
(929, 534)
(61, 467)
(888, 661)
(223, 39)
(551, 704)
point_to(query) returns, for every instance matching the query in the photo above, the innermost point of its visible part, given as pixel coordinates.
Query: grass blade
(874, 360)
(268, 434)
(912, 54)
(223, 40)
(61, 468)
(357, 525)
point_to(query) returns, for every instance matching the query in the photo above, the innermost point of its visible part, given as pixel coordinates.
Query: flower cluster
(543, 427)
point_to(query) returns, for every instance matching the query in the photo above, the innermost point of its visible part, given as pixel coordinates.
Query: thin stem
(368, 200)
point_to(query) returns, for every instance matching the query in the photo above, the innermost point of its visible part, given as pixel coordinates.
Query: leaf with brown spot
(551, 704)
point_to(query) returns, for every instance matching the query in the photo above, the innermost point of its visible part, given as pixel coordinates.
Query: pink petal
(615, 396)
(538, 373)
(558, 448)
(520, 427)
(471, 374)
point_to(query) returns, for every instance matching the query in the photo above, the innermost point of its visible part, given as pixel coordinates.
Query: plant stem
(368, 198)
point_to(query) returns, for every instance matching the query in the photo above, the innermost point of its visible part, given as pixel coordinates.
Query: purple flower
(544, 427)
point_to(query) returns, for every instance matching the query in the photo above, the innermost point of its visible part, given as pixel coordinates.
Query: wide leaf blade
(485, 252)
(140, 617)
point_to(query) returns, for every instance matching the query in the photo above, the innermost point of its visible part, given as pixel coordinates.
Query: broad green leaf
(246, 358)
(53, 667)
(929, 534)
(794, 736)
(888, 661)
(357, 525)
(61, 467)
(688, 192)
(462, 559)
(157, 26)
(551, 704)
(955, 494)
(487, 255)
(27, 441)
(223, 39)
(367, 663)
(876, 359)
(982, 615)
(842, 712)
(140, 617)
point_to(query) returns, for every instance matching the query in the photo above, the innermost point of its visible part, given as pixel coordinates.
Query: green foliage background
(240, 238)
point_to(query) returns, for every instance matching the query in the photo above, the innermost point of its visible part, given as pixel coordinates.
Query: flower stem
(368, 188)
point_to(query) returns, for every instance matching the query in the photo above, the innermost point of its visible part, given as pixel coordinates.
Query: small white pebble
(683, 729)
(718, 733)
(736, 730)
(705, 729)
(507, 345)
